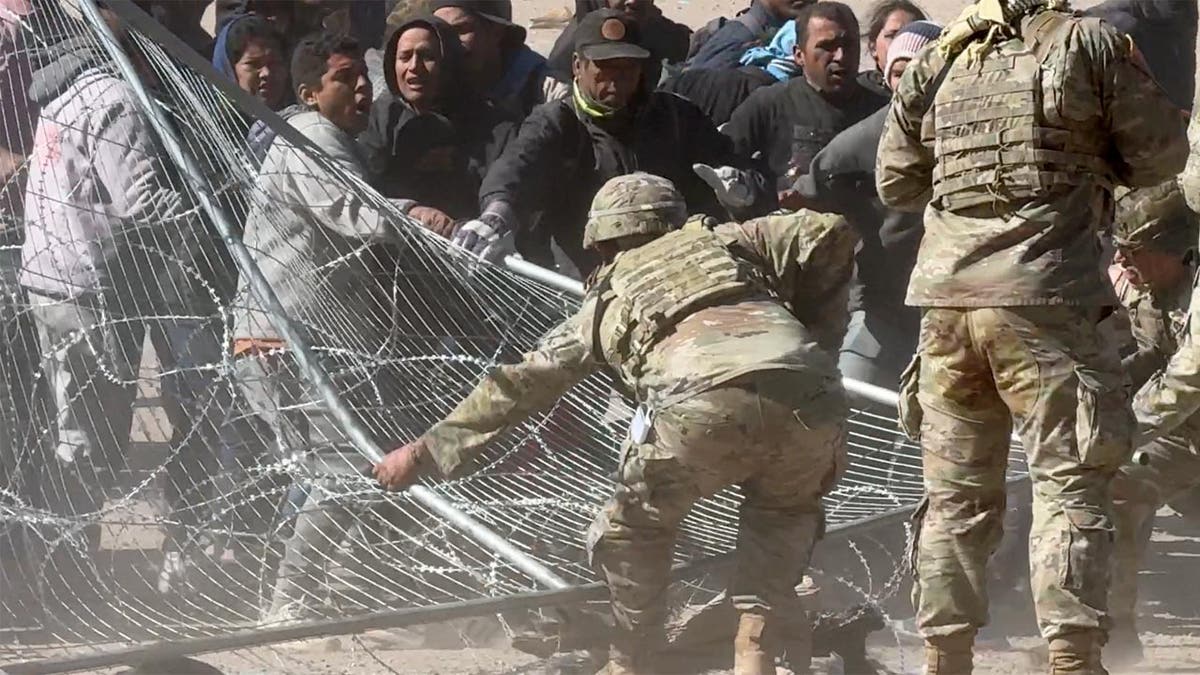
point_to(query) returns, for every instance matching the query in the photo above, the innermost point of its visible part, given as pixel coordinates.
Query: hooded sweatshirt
(438, 158)
(103, 216)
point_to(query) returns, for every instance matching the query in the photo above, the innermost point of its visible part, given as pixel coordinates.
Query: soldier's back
(689, 315)
(1029, 136)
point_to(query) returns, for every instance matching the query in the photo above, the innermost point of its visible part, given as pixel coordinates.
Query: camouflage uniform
(1156, 218)
(1009, 133)
(726, 338)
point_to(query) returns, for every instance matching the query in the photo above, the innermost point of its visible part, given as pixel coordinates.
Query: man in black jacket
(791, 121)
(611, 126)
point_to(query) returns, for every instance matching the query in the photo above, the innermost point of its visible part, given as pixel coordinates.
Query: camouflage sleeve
(1189, 180)
(810, 259)
(905, 163)
(1149, 138)
(1172, 395)
(510, 393)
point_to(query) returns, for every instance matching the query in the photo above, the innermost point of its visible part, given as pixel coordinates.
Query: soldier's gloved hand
(402, 466)
(478, 234)
(731, 185)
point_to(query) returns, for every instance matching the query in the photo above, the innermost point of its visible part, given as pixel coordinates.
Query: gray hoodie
(102, 215)
(312, 234)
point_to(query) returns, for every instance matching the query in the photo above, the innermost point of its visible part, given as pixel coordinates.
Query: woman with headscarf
(250, 52)
(432, 137)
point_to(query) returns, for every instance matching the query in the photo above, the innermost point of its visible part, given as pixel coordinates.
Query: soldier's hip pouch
(1104, 422)
(910, 411)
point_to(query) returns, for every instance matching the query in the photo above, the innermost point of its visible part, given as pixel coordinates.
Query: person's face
(344, 97)
(786, 9)
(830, 56)
(418, 61)
(879, 48)
(897, 70)
(635, 9)
(612, 82)
(260, 72)
(481, 39)
(1150, 268)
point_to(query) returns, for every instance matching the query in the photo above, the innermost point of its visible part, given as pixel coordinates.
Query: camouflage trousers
(1047, 369)
(755, 433)
(1170, 477)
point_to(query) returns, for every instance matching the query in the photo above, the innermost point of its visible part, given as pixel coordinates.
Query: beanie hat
(909, 41)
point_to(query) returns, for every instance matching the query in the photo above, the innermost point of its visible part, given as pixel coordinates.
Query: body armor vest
(651, 289)
(999, 137)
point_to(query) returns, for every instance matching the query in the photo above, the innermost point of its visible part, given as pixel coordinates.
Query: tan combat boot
(1077, 654)
(949, 655)
(750, 654)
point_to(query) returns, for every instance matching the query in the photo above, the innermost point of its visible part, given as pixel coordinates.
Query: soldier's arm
(1189, 180)
(905, 163)
(1148, 132)
(510, 393)
(810, 259)
(1173, 395)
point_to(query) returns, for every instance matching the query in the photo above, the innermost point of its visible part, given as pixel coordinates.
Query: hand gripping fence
(153, 480)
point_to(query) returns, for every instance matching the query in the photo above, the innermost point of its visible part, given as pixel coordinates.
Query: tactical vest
(649, 290)
(997, 140)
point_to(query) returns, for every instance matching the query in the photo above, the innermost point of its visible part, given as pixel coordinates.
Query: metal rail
(298, 346)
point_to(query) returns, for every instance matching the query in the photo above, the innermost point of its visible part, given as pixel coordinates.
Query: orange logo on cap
(613, 29)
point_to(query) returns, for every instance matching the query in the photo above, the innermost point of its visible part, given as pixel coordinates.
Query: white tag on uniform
(639, 426)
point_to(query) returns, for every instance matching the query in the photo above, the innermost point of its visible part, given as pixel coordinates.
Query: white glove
(729, 183)
(479, 234)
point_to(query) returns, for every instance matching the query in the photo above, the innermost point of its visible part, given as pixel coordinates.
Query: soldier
(728, 341)
(1156, 243)
(1010, 133)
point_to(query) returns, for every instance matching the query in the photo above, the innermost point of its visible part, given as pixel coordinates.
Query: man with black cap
(611, 126)
(666, 40)
(504, 69)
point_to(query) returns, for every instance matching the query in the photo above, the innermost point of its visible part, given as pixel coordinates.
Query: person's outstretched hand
(479, 234)
(402, 466)
(729, 184)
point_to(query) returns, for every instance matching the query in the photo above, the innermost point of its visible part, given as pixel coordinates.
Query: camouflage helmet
(1157, 217)
(638, 203)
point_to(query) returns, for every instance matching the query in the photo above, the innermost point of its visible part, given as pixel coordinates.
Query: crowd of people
(949, 200)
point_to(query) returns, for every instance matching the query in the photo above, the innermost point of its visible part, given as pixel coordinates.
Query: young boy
(319, 241)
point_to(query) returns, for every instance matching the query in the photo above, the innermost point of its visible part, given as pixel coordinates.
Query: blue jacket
(724, 49)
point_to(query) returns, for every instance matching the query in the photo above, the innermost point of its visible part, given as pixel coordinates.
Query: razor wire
(163, 478)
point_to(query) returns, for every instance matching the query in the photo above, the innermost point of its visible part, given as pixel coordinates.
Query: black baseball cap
(609, 34)
(496, 11)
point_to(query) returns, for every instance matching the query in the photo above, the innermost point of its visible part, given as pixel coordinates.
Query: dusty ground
(1170, 616)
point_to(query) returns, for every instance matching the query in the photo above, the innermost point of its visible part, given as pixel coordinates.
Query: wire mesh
(161, 477)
